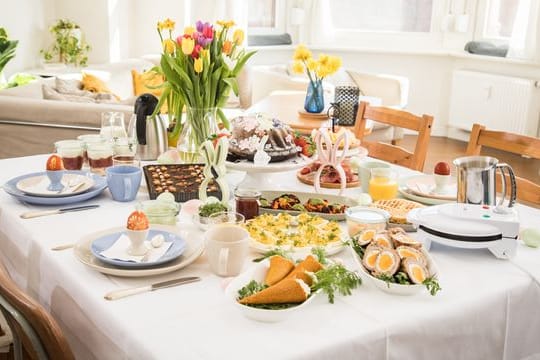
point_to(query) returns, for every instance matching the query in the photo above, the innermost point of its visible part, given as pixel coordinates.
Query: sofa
(30, 124)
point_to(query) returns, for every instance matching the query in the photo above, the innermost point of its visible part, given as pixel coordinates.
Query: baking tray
(182, 180)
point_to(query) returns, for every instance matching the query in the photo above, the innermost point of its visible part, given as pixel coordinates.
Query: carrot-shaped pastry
(284, 292)
(279, 268)
(309, 264)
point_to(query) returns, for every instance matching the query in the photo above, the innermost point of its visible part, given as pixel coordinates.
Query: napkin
(41, 187)
(118, 251)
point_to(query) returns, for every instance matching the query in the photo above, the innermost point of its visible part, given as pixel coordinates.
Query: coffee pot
(476, 183)
(148, 130)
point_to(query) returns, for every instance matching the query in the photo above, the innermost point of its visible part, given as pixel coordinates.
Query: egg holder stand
(328, 156)
(468, 226)
(214, 168)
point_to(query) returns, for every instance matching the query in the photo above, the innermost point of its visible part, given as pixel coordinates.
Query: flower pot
(314, 98)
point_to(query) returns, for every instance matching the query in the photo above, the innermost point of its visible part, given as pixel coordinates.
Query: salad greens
(211, 208)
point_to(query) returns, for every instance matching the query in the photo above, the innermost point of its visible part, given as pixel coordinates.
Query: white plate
(258, 273)
(406, 193)
(294, 163)
(424, 186)
(391, 288)
(37, 185)
(194, 248)
(330, 249)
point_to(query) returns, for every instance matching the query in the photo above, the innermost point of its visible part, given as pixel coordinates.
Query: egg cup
(55, 177)
(137, 238)
(441, 183)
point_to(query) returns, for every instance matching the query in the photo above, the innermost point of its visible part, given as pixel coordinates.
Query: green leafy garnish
(264, 203)
(298, 207)
(357, 248)
(273, 252)
(211, 208)
(386, 278)
(402, 278)
(320, 254)
(432, 285)
(252, 288)
(335, 278)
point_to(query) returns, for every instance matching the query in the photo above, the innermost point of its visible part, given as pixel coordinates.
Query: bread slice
(309, 264)
(279, 268)
(286, 291)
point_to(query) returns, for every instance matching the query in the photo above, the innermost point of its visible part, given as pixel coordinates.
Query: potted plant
(7, 52)
(69, 47)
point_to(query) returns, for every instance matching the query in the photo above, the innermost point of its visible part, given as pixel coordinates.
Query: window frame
(480, 32)
(280, 27)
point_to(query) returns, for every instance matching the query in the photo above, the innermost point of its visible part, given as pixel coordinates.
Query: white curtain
(236, 10)
(525, 33)
(321, 28)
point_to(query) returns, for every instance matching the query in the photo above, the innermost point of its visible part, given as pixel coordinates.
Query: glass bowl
(160, 212)
(360, 218)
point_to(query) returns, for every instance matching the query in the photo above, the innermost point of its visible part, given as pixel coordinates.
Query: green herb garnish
(320, 254)
(386, 278)
(432, 285)
(335, 278)
(252, 288)
(275, 251)
(402, 278)
(211, 208)
(298, 207)
(264, 203)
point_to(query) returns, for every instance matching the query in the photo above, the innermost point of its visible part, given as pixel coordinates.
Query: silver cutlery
(33, 214)
(118, 294)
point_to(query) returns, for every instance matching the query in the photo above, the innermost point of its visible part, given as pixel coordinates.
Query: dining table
(487, 308)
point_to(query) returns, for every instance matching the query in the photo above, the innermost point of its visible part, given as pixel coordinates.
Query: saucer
(106, 241)
(424, 186)
(38, 185)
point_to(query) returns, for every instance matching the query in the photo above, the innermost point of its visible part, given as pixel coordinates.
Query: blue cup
(123, 182)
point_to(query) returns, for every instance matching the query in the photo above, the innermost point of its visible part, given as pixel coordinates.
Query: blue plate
(100, 183)
(105, 242)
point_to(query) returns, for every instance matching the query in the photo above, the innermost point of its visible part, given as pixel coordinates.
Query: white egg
(531, 237)
(364, 199)
(157, 240)
(165, 197)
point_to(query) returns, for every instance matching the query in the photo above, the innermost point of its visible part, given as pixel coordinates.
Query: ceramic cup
(123, 182)
(227, 248)
(137, 238)
(364, 171)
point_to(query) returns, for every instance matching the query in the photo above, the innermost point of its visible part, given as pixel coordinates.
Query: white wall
(28, 22)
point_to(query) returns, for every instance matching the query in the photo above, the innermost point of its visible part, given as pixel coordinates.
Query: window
(382, 15)
(266, 17)
(500, 17)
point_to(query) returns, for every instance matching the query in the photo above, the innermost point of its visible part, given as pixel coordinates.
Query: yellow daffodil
(301, 53)
(168, 24)
(238, 36)
(198, 65)
(322, 71)
(160, 25)
(189, 30)
(323, 59)
(227, 47)
(298, 67)
(169, 46)
(334, 63)
(226, 23)
(311, 64)
(187, 45)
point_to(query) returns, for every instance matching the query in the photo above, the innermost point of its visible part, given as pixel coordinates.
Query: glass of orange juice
(383, 184)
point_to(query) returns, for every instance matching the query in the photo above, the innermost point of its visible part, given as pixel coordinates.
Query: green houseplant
(7, 52)
(69, 47)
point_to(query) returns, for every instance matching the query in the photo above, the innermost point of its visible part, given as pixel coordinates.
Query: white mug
(226, 248)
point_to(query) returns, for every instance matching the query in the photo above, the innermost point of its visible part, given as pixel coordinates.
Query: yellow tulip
(189, 30)
(205, 53)
(187, 45)
(298, 67)
(227, 47)
(169, 46)
(238, 36)
(301, 53)
(226, 23)
(198, 65)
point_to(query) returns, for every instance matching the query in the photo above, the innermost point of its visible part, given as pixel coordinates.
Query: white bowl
(258, 273)
(392, 288)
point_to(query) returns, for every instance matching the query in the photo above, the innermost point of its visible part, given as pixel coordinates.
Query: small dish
(360, 218)
(258, 273)
(104, 242)
(393, 288)
(38, 185)
(159, 212)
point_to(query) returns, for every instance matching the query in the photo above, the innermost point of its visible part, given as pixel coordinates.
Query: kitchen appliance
(149, 131)
(468, 226)
(476, 182)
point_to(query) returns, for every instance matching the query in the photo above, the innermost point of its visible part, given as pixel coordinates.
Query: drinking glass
(71, 152)
(88, 139)
(112, 125)
(383, 184)
(100, 157)
(226, 217)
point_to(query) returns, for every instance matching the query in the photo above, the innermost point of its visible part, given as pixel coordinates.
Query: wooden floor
(444, 149)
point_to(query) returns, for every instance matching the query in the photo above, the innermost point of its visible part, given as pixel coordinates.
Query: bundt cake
(247, 131)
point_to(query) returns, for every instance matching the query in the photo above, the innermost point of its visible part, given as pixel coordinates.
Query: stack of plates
(78, 186)
(422, 188)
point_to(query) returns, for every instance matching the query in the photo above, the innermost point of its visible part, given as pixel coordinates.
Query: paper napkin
(118, 251)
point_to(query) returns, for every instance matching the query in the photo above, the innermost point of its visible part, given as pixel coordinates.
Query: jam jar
(247, 202)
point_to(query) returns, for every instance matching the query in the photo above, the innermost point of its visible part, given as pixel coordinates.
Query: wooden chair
(399, 118)
(34, 329)
(513, 143)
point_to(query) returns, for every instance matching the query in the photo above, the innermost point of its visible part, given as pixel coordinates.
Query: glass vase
(314, 98)
(199, 125)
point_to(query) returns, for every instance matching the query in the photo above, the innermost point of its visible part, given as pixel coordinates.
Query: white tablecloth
(486, 310)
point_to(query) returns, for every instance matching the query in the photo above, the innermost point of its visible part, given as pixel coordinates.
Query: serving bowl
(258, 273)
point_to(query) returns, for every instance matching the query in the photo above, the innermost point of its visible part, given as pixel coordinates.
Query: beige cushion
(50, 93)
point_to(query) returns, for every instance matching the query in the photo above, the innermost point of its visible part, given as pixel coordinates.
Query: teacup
(227, 248)
(364, 171)
(123, 182)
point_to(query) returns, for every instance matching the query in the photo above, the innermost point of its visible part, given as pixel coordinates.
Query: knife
(118, 294)
(33, 214)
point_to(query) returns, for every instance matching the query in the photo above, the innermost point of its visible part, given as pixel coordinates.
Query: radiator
(499, 102)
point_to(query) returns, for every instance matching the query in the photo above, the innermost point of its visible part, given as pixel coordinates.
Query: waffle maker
(468, 226)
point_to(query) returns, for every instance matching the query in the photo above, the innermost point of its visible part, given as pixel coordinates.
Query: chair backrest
(32, 326)
(395, 154)
(513, 143)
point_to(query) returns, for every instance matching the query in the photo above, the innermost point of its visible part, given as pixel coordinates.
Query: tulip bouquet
(316, 70)
(200, 68)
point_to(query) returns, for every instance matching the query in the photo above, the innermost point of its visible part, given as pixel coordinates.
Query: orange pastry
(309, 264)
(286, 291)
(279, 268)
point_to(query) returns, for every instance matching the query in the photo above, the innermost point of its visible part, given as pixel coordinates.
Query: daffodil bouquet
(316, 70)
(200, 69)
